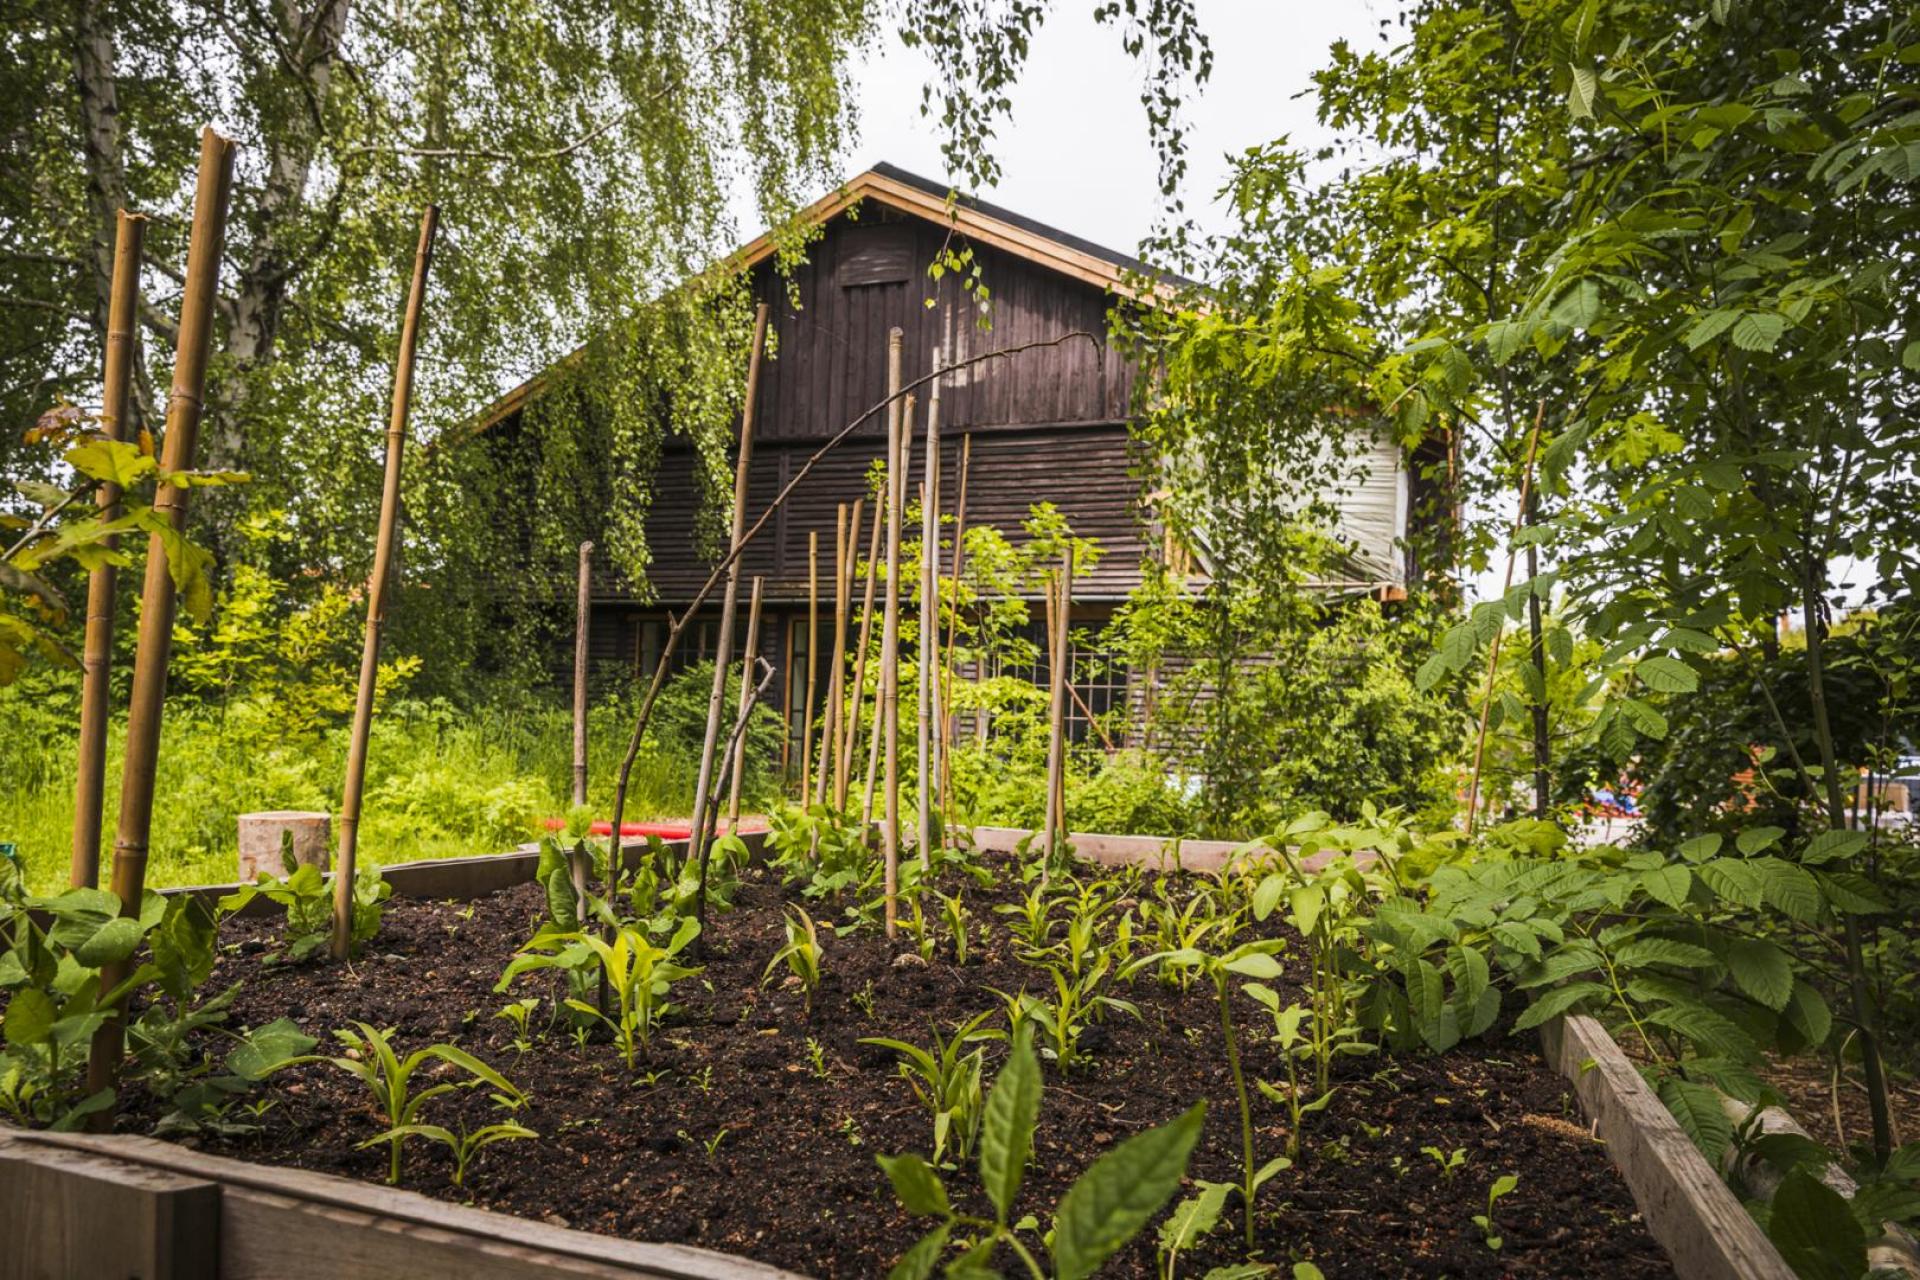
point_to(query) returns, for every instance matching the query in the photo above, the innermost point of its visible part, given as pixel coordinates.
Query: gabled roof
(979, 221)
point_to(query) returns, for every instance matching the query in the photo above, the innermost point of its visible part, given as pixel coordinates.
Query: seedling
(801, 954)
(639, 974)
(710, 1145)
(371, 1058)
(464, 1146)
(953, 913)
(517, 1013)
(863, 1000)
(1501, 1186)
(947, 1081)
(1109, 1203)
(817, 1058)
(1450, 1162)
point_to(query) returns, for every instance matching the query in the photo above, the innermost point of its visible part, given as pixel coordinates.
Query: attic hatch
(874, 253)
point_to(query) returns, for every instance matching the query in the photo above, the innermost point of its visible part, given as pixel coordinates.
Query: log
(263, 835)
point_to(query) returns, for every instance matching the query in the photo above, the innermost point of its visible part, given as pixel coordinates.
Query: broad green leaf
(114, 941)
(1256, 964)
(1700, 848)
(1120, 1193)
(30, 1017)
(1669, 884)
(1645, 951)
(1808, 1014)
(1789, 887)
(1815, 1231)
(1697, 1109)
(1762, 970)
(1829, 845)
(1559, 1000)
(1757, 839)
(1006, 1125)
(1583, 85)
(917, 1185)
(1758, 331)
(918, 1263)
(1665, 674)
(1850, 893)
(268, 1048)
(1195, 1216)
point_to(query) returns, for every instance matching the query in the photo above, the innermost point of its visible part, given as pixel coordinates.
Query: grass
(442, 781)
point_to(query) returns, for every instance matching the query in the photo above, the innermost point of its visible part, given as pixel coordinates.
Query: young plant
(306, 896)
(801, 954)
(1063, 1019)
(639, 976)
(371, 1059)
(1501, 1186)
(517, 1013)
(1104, 1208)
(463, 1146)
(1249, 960)
(947, 1080)
(1450, 1162)
(1297, 1045)
(953, 914)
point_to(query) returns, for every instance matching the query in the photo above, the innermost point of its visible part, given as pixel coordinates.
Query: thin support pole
(748, 657)
(206, 242)
(1493, 650)
(947, 720)
(729, 608)
(89, 791)
(831, 715)
(377, 593)
(582, 620)
(928, 762)
(813, 663)
(850, 708)
(890, 639)
(860, 653)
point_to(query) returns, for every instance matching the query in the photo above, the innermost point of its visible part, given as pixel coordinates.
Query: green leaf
(1700, 848)
(1757, 839)
(1789, 887)
(114, 941)
(1430, 672)
(1697, 1109)
(1580, 92)
(1458, 644)
(1558, 1001)
(30, 1017)
(1758, 331)
(1829, 845)
(1665, 674)
(1808, 1014)
(1815, 1231)
(917, 1185)
(1256, 964)
(267, 1049)
(1645, 951)
(1669, 884)
(1762, 970)
(1120, 1192)
(1006, 1126)
(1195, 1216)
(918, 1262)
(1850, 893)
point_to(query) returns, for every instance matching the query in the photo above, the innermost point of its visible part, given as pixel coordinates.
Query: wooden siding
(1083, 471)
(831, 348)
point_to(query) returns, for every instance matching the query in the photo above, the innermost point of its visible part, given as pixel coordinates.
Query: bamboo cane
(377, 593)
(897, 463)
(1066, 687)
(831, 714)
(813, 649)
(729, 607)
(927, 760)
(97, 663)
(947, 720)
(582, 617)
(1061, 601)
(850, 712)
(890, 639)
(1493, 649)
(860, 662)
(205, 243)
(747, 659)
(1050, 590)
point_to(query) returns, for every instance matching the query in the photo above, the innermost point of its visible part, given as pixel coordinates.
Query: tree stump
(261, 835)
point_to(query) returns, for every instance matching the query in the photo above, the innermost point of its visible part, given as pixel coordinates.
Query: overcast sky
(1075, 153)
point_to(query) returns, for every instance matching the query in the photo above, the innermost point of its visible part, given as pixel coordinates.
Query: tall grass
(442, 780)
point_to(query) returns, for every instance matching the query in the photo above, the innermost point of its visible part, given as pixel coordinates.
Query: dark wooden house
(1049, 425)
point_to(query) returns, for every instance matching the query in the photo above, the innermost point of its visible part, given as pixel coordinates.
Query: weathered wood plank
(1703, 1227)
(76, 1213)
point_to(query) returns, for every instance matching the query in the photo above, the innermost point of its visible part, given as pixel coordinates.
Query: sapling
(1501, 1186)
(1105, 1207)
(1249, 960)
(801, 954)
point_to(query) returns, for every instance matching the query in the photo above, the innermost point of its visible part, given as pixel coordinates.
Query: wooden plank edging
(1707, 1233)
(270, 1216)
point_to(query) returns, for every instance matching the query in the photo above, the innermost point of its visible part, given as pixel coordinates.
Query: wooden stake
(927, 762)
(880, 509)
(729, 607)
(96, 665)
(582, 616)
(1060, 601)
(850, 718)
(1493, 650)
(206, 241)
(813, 650)
(747, 659)
(377, 593)
(831, 714)
(947, 720)
(902, 425)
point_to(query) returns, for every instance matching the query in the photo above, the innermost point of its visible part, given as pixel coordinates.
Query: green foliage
(306, 898)
(463, 1146)
(801, 954)
(947, 1080)
(1105, 1207)
(371, 1059)
(638, 974)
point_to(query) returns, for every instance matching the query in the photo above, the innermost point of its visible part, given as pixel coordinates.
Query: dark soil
(793, 1182)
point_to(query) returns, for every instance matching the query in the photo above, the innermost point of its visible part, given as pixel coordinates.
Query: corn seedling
(947, 1080)
(464, 1145)
(1105, 1207)
(370, 1058)
(639, 975)
(1501, 1186)
(1031, 918)
(953, 914)
(801, 954)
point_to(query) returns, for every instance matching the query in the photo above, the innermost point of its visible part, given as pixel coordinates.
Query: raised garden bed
(793, 1180)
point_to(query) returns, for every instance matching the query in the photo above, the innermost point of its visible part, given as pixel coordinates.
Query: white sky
(1075, 152)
